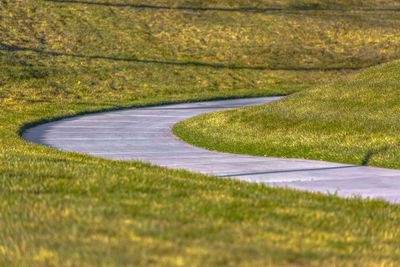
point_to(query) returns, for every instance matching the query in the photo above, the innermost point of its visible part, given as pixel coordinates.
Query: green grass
(354, 120)
(61, 59)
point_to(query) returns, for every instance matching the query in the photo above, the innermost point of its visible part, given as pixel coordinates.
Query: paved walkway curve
(145, 134)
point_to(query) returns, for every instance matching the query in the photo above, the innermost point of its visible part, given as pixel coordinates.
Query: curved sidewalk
(145, 134)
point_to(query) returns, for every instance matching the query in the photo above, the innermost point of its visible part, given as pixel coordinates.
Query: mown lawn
(354, 120)
(60, 58)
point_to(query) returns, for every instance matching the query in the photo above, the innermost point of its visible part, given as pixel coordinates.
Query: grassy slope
(354, 120)
(60, 59)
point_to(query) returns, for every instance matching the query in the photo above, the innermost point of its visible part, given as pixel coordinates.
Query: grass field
(354, 120)
(60, 58)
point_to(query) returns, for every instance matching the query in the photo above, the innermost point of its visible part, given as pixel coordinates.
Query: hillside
(61, 58)
(354, 120)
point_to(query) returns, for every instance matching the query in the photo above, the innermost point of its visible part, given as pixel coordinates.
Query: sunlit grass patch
(354, 120)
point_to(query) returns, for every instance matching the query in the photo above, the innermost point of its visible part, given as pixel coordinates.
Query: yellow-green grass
(354, 120)
(61, 59)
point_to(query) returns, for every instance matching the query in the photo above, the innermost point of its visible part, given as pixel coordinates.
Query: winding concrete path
(145, 134)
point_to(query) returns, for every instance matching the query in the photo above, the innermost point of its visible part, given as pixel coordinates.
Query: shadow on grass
(14, 48)
(371, 153)
(310, 7)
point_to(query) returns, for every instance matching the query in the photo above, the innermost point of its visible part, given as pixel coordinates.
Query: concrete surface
(145, 134)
